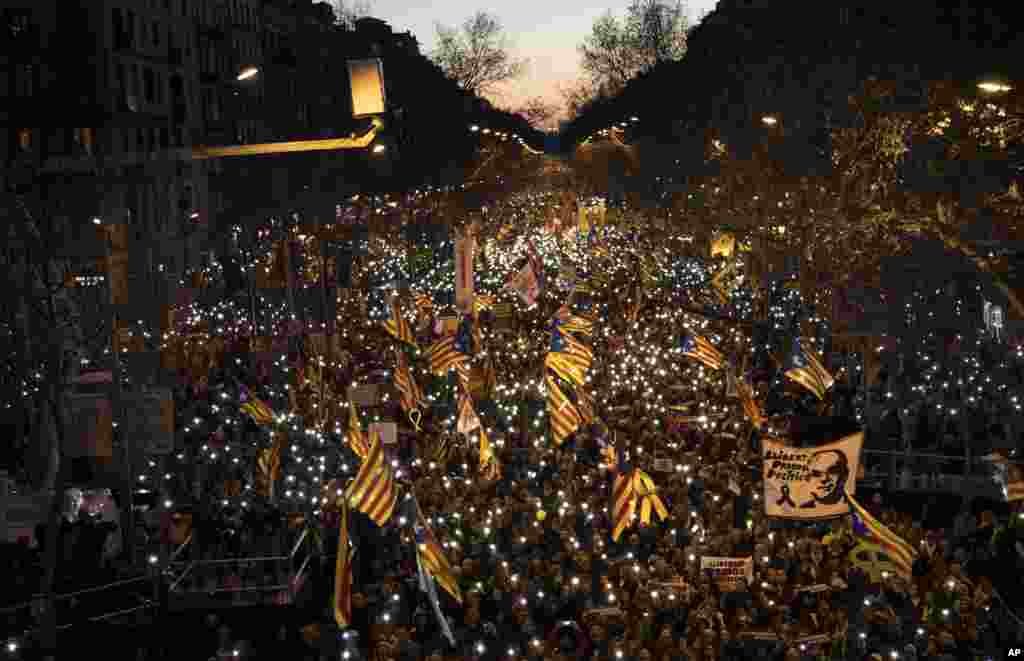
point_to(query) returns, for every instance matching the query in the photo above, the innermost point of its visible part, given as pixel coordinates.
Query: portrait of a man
(828, 473)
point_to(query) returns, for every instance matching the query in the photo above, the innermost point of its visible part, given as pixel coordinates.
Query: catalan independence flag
(411, 395)
(397, 326)
(868, 527)
(354, 434)
(568, 322)
(343, 574)
(448, 353)
(255, 407)
(750, 405)
(568, 357)
(373, 492)
(701, 350)
(805, 368)
(432, 556)
(564, 417)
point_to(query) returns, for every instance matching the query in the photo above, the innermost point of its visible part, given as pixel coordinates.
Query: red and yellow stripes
(343, 574)
(373, 491)
(899, 551)
(355, 436)
(630, 489)
(564, 417)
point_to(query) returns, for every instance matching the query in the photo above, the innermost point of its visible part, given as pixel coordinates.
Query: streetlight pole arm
(331, 144)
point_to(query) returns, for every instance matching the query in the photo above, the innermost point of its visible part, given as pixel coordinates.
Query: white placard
(727, 572)
(810, 483)
(388, 432)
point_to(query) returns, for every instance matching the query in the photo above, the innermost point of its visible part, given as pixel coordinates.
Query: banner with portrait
(729, 572)
(810, 483)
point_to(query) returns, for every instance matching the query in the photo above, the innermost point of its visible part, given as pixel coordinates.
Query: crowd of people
(542, 579)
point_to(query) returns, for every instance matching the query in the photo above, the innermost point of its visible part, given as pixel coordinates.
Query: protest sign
(810, 483)
(728, 572)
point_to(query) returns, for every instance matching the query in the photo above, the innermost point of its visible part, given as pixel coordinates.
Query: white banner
(727, 572)
(810, 483)
(464, 249)
(526, 285)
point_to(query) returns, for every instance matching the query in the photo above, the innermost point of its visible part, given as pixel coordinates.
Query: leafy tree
(477, 56)
(616, 50)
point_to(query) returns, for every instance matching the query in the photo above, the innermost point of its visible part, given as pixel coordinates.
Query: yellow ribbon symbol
(414, 417)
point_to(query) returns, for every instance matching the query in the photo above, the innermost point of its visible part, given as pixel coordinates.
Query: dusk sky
(547, 32)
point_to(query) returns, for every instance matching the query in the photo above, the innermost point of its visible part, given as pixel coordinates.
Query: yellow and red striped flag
(700, 349)
(255, 408)
(397, 326)
(355, 435)
(411, 395)
(806, 369)
(373, 492)
(565, 418)
(630, 488)
(571, 323)
(750, 406)
(343, 574)
(900, 552)
(568, 357)
(432, 556)
(447, 354)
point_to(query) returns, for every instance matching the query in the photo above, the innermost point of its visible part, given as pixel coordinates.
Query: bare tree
(616, 50)
(477, 56)
(540, 113)
(576, 96)
(346, 14)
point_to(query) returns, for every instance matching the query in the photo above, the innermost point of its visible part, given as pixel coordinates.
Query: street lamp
(769, 120)
(247, 73)
(993, 87)
(379, 148)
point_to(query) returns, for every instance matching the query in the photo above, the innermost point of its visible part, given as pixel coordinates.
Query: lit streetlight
(379, 148)
(993, 87)
(248, 72)
(769, 120)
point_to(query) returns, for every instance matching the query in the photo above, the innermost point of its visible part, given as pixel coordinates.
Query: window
(85, 138)
(25, 139)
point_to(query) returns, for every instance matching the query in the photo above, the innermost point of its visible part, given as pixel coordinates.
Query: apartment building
(150, 80)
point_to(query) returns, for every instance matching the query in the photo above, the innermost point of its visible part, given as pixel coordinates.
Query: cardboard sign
(149, 420)
(728, 572)
(388, 432)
